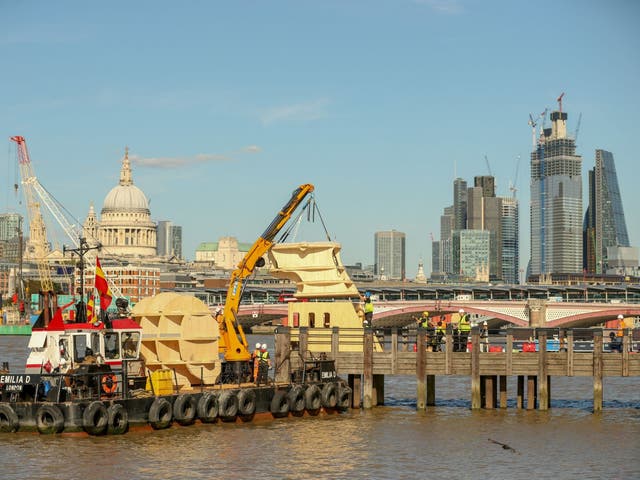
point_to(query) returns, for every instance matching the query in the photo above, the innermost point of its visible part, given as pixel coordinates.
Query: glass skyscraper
(604, 222)
(556, 202)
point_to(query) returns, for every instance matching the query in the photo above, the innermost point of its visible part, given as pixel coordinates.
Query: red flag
(15, 297)
(90, 309)
(102, 287)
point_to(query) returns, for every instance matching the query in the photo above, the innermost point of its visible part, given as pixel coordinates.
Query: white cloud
(450, 7)
(177, 162)
(298, 112)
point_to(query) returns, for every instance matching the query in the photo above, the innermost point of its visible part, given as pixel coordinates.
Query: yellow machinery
(233, 343)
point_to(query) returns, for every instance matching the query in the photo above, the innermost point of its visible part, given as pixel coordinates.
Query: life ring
(279, 404)
(95, 418)
(109, 383)
(228, 406)
(49, 419)
(118, 419)
(9, 421)
(296, 400)
(312, 399)
(246, 402)
(344, 397)
(184, 409)
(208, 407)
(160, 414)
(329, 395)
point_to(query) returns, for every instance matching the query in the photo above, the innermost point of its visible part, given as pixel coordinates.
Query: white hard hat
(461, 311)
(620, 316)
(484, 323)
(258, 345)
(264, 346)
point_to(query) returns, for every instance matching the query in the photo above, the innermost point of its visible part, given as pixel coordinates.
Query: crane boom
(232, 339)
(37, 229)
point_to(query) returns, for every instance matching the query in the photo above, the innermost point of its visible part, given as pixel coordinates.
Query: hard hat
(620, 317)
(461, 311)
(264, 346)
(258, 345)
(425, 314)
(484, 323)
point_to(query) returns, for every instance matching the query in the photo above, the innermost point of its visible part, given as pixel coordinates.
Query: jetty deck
(367, 355)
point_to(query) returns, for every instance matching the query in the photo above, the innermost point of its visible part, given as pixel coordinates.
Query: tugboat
(158, 364)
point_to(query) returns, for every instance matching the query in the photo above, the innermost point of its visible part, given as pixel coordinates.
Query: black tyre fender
(208, 407)
(185, 409)
(49, 419)
(246, 402)
(296, 400)
(344, 397)
(160, 414)
(312, 399)
(9, 421)
(95, 418)
(228, 406)
(118, 419)
(280, 404)
(329, 395)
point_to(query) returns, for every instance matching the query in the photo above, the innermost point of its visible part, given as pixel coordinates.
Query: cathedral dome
(125, 198)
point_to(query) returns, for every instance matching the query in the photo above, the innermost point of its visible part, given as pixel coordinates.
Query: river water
(394, 441)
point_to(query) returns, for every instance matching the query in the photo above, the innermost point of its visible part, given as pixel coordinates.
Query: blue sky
(228, 106)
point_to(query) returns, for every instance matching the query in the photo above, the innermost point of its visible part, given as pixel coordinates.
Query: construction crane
(488, 166)
(37, 230)
(533, 123)
(559, 100)
(575, 134)
(513, 186)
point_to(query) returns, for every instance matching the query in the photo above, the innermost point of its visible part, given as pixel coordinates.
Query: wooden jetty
(367, 355)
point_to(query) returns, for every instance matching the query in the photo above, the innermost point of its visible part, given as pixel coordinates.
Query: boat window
(111, 345)
(37, 339)
(95, 343)
(79, 347)
(327, 320)
(312, 320)
(130, 341)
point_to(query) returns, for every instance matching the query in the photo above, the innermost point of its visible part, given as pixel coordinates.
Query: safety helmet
(461, 311)
(484, 323)
(620, 317)
(425, 314)
(258, 345)
(264, 346)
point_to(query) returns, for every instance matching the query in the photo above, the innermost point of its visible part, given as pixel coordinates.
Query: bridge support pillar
(537, 309)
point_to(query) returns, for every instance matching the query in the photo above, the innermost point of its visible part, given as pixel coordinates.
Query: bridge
(498, 313)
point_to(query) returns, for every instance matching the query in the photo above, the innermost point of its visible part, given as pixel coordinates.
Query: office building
(169, 239)
(510, 254)
(556, 202)
(390, 254)
(484, 212)
(471, 255)
(604, 221)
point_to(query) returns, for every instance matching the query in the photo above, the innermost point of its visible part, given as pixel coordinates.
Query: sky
(226, 107)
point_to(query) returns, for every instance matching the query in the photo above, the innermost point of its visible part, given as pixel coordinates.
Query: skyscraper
(389, 253)
(510, 240)
(169, 239)
(484, 212)
(556, 201)
(604, 221)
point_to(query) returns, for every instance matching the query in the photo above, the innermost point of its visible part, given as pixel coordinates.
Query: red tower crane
(560, 102)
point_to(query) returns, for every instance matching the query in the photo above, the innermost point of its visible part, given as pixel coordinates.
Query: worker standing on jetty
(368, 310)
(464, 327)
(255, 361)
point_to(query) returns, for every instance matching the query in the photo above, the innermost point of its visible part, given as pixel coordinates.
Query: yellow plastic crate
(162, 381)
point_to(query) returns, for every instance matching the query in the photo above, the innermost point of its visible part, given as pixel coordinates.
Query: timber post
(543, 374)
(303, 343)
(367, 370)
(448, 352)
(335, 345)
(394, 350)
(597, 370)
(476, 395)
(626, 343)
(283, 354)
(421, 385)
(569, 343)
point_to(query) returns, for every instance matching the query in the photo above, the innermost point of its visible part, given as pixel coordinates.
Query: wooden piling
(520, 392)
(543, 393)
(421, 385)
(355, 383)
(335, 346)
(476, 396)
(377, 395)
(570, 353)
(283, 354)
(597, 370)
(503, 391)
(431, 390)
(531, 392)
(367, 371)
(626, 343)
